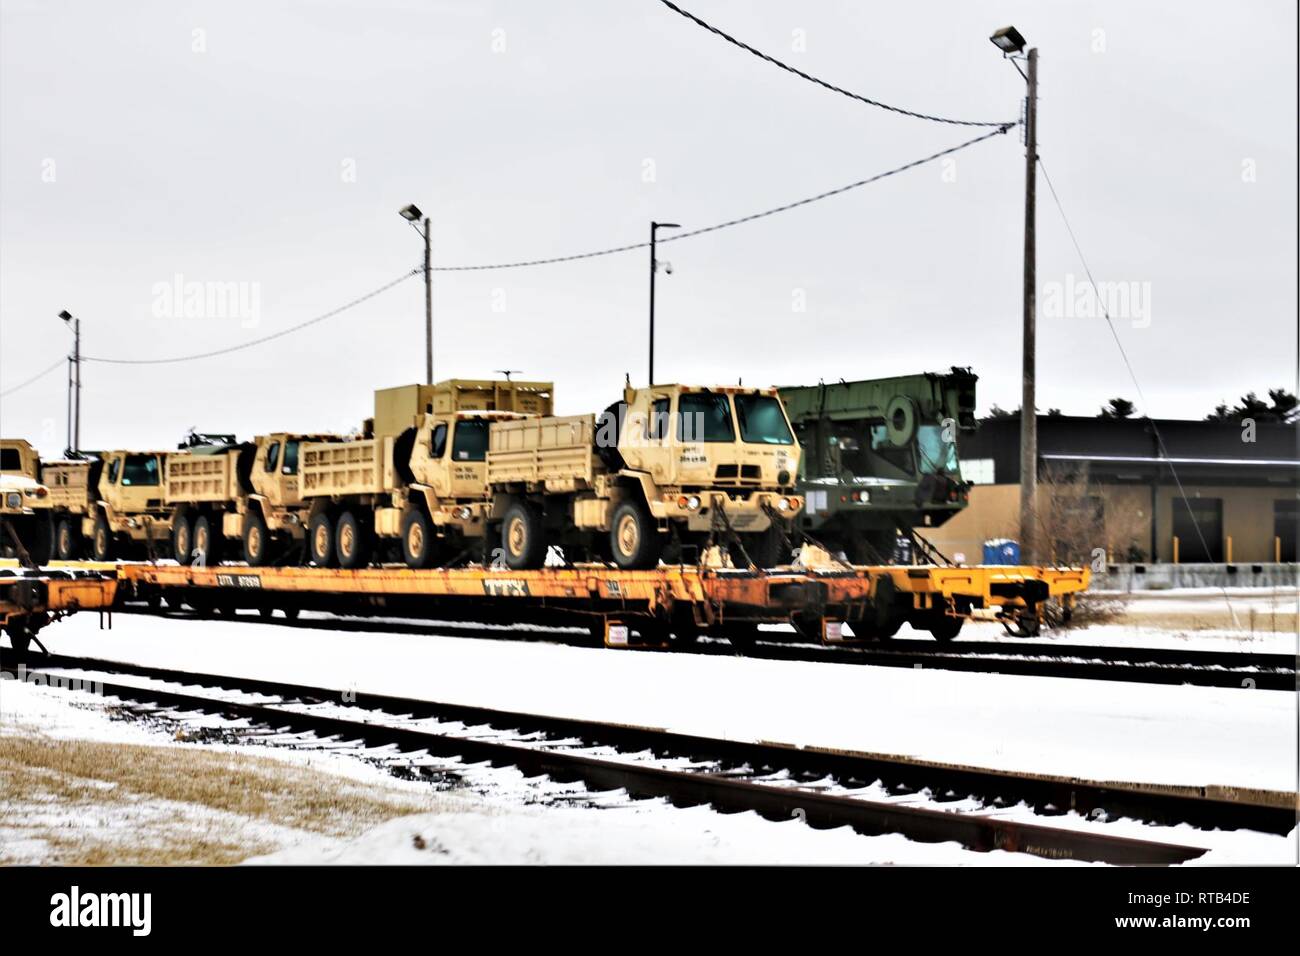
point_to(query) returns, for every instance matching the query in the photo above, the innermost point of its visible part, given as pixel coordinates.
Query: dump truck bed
(69, 483)
(194, 478)
(559, 451)
(346, 468)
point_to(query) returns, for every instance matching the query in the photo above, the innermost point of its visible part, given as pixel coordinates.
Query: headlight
(693, 502)
(14, 500)
(863, 496)
(37, 492)
(462, 513)
(783, 504)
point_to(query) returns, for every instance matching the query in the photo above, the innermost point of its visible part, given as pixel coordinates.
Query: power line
(1137, 386)
(266, 338)
(35, 378)
(822, 83)
(732, 222)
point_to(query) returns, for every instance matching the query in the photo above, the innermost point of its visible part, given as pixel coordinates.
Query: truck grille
(732, 474)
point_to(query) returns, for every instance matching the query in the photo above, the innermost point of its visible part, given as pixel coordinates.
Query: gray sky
(274, 147)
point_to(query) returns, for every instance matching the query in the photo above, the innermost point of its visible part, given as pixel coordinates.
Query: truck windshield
(937, 455)
(704, 417)
(471, 441)
(140, 470)
(761, 420)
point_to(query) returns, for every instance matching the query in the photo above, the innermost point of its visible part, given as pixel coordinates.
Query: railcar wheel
(182, 539)
(320, 540)
(257, 539)
(351, 542)
(635, 542)
(742, 637)
(290, 613)
(67, 541)
(419, 545)
(523, 538)
(102, 545)
(945, 627)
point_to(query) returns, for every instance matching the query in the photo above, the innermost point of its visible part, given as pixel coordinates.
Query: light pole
(413, 215)
(74, 384)
(1010, 42)
(654, 267)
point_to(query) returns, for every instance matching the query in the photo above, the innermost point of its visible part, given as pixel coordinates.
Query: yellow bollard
(1230, 549)
(1175, 549)
(1277, 549)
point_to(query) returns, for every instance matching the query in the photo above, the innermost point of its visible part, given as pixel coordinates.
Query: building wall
(994, 512)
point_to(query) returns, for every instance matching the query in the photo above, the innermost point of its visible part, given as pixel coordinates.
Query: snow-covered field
(1090, 729)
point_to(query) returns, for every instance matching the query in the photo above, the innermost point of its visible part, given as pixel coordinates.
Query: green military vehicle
(880, 459)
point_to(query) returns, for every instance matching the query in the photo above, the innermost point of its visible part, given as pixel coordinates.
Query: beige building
(1200, 492)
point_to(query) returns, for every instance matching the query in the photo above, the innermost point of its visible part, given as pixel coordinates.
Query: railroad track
(872, 794)
(1031, 658)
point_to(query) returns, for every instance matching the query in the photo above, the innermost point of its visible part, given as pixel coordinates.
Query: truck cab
(725, 449)
(26, 530)
(130, 509)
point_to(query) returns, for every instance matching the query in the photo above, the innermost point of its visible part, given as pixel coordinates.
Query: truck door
(468, 460)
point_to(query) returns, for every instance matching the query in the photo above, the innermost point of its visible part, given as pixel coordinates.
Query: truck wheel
(320, 541)
(67, 541)
(351, 542)
(102, 543)
(634, 540)
(206, 541)
(256, 539)
(418, 542)
(523, 539)
(182, 539)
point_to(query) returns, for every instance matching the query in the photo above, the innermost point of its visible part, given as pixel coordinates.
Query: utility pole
(654, 267)
(428, 304)
(1028, 402)
(413, 215)
(74, 382)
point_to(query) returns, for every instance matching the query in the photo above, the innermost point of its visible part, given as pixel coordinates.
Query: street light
(413, 215)
(654, 267)
(1010, 42)
(74, 384)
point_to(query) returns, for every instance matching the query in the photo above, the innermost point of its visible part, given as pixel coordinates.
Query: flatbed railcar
(672, 603)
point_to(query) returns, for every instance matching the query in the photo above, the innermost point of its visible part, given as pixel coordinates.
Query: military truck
(880, 458)
(688, 466)
(26, 530)
(129, 516)
(238, 499)
(415, 483)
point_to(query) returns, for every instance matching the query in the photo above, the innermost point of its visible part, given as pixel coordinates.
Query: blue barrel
(1002, 551)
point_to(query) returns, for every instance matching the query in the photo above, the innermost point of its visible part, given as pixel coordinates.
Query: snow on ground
(52, 820)
(1093, 729)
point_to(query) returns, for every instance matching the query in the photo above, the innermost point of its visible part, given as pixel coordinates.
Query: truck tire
(257, 539)
(67, 540)
(206, 541)
(320, 540)
(635, 542)
(523, 537)
(102, 544)
(182, 539)
(418, 542)
(351, 542)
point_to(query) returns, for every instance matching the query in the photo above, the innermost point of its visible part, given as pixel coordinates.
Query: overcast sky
(271, 145)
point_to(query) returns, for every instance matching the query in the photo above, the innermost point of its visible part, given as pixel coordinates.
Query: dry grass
(93, 803)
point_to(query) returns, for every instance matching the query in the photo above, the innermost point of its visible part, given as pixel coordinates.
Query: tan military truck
(416, 482)
(239, 499)
(129, 514)
(26, 530)
(73, 485)
(689, 465)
